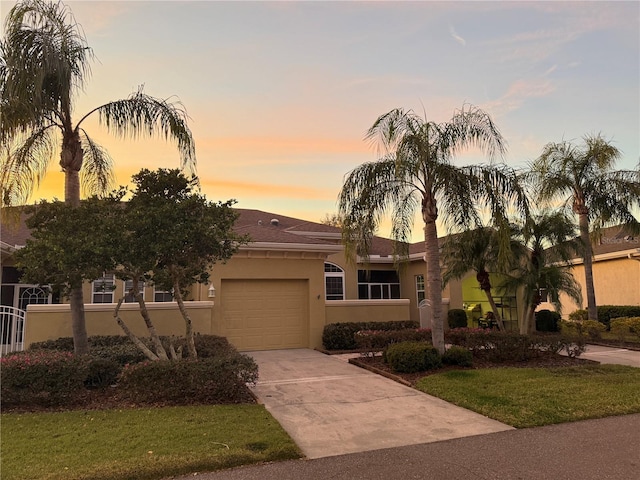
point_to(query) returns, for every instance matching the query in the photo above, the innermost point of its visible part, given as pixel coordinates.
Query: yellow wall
(49, 322)
(338, 311)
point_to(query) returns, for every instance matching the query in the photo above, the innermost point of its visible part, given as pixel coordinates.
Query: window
(128, 285)
(162, 296)
(333, 282)
(378, 284)
(420, 291)
(102, 289)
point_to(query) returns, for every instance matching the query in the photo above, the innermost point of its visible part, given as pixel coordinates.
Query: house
(278, 291)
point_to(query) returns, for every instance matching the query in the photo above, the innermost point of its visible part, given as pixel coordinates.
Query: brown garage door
(265, 314)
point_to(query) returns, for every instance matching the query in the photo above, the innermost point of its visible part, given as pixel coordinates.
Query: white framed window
(378, 284)
(420, 291)
(102, 289)
(162, 295)
(128, 285)
(333, 282)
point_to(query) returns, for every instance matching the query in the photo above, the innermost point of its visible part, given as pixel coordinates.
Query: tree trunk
(592, 309)
(525, 326)
(191, 344)
(484, 280)
(433, 284)
(160, 351)
(494, 309)
(137, 342)
(71, 157)
(78, 326)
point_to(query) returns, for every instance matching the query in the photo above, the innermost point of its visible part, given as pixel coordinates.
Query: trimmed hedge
(341, 336)
(375, 340)
(410, 357)
(457, 318)
(456, 355)
(219, 380)
(42, 378)
(608, 312)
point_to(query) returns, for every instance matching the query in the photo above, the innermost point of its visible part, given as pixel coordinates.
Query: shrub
(579, 315)
(375, 340)
(409, 357)
(620, 327)
(607, 312)
(41, 377)
(63, 344)
(547, 321)
(593, 328)
(341, 336)
(219, 380)
(101, 372)
(207, 346)
(457, 318)
(123, 354)
(456, 355)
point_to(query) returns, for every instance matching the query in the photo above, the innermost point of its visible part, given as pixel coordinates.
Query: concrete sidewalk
(330, 407)
(613, 355)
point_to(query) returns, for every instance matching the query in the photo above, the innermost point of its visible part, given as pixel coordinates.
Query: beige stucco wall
(49, 322)
(616, 282)
(338, 311)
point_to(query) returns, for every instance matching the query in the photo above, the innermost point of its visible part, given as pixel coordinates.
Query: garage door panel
(265, 314)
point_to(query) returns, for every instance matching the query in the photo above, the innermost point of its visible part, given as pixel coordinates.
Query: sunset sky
(280, 94)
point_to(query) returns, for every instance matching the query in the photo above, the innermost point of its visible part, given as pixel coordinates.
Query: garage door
(265, 314)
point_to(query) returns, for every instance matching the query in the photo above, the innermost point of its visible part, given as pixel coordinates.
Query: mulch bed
(548, 360)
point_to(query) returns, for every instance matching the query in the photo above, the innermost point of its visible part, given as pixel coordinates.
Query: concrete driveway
(619, 356)
(330, 407)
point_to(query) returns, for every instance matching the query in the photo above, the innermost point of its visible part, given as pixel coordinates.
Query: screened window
(420, 291)
(162, 296)
(102, 289)
(128, 285)
(333, 282)
(378, 284)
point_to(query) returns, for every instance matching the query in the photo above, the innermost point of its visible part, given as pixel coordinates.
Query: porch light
(211, 291)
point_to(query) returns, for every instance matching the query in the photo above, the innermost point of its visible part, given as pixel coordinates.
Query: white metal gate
(11, 329)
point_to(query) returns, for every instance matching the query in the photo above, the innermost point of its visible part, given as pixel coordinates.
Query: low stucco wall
(49, 322)
(341, 311)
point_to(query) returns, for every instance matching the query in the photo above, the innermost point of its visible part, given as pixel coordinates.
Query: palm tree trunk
(592, 309)
(494, 309)
(78, 326)
(191, 345)
(72, 187)
(434, 284)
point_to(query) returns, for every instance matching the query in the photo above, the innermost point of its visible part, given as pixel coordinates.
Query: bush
(41, 377)
(101, 372)
(456, 355)
(218, 380)
(370, 341)
(341, 336)
(207, 346)
(123, 354)
(63, 344)
(593, 328)
(621, 328)
(499, 346)
(608, 312)
(579, 315)
(410, 357)
(457, 318)
(547, 321)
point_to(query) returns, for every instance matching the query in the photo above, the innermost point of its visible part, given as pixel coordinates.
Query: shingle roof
(615, 239)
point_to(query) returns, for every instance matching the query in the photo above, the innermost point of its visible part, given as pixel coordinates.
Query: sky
(280, 94)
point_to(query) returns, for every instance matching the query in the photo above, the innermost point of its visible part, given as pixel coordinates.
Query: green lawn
(139, 443)
(524, 397)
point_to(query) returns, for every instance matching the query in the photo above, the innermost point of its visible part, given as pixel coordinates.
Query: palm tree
(477, 250)
(44, 62)
(417, 172)
(546, 244)
(585, 180)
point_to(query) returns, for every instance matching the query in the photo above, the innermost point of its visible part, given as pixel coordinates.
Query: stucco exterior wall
(49, 322)
(338, 311)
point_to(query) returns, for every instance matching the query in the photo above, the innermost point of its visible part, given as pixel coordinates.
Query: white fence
(11, 329)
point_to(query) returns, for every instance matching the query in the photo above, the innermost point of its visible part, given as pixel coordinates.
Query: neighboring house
(278, 291)
(616, 270)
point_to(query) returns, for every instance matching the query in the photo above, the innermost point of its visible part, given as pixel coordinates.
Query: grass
(139, 443)
(529, 397)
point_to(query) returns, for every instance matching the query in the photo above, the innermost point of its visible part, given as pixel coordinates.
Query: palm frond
(97, 174)
(24, 165)
(143, 115)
